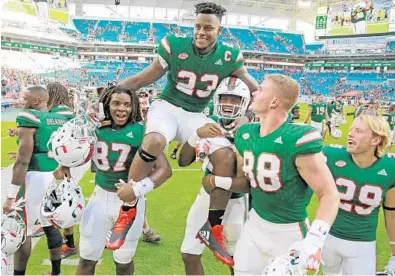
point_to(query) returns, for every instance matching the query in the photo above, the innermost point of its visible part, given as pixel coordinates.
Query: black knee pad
(54, 238)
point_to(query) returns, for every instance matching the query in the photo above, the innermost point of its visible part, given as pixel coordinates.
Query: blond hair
(287, 88)
(380, 127)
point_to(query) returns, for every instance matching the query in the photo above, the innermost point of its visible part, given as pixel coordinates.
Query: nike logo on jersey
(278, 140)
(205, 235)
(382, 172)
(130, 135)
(218, 62)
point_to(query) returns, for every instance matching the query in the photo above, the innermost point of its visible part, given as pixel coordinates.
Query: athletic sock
(215, 216)
(56, 266)
(70, 240)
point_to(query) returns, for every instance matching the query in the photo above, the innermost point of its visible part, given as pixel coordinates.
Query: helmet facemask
(229, 107)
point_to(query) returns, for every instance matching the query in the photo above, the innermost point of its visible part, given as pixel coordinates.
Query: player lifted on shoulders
(195, 66)
(231, 101)
(365, 178)
(281, 161)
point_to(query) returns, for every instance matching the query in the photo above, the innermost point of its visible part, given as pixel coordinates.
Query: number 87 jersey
(361, 192)
(279, 193)
(193, 78)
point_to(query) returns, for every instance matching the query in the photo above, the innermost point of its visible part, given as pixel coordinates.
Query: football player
(114, 151)
(318, 112)
(230, 101)
(195, 65)
(33, 173)
(365, 178)
(390, 117)
(281, 161)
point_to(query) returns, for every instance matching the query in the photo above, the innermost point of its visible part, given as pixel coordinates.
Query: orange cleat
(212, 237)
(116, 237)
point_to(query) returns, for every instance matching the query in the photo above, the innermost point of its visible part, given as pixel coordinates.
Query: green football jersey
(361, 193)
(64, 110)
(339, 107)
(391, 120)
(114, 153)
(330, 109)
(193, 78)
(279, 193)
(209, 109)
(291, 113)
(318, 113)
(45, 123)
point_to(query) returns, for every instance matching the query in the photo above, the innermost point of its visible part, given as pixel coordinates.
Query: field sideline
(167, 210)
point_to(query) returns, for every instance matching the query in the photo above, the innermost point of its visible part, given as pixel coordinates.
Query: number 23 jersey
(279, 193)
(361, 192)
(193, 78)
(114, 153)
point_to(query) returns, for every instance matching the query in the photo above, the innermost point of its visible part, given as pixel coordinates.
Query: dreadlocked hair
(105, 98)
(58, 95)
(210, 8)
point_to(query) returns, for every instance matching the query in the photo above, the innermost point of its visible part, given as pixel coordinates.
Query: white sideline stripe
(2, 138)
(73, 262)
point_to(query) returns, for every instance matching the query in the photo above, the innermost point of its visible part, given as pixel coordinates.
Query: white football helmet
(336, 133)
(13, 230)
(73, 143)
(286, 265)
(63, 204)
(234, 87)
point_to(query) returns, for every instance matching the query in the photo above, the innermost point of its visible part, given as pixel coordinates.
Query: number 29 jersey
(193, 78)
(114, 153)
(279, 193)
(361, 192)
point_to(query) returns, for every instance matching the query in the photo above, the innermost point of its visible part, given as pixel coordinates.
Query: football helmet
(73, 143)
(232, 86)
(13, 230)
(63, 204)
(285, 265)
(336, 133)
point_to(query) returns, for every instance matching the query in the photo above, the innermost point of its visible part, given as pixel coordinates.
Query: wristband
(143, 187)
(223, 182)
(392, 243)
(193, 139)
(318, 232)
(13, 191)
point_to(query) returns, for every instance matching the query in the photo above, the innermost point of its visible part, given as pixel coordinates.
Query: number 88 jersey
(193, 78)
(114, 153)
(361, 192)
(279, 193)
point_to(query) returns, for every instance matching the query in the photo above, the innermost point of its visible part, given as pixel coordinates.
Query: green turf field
(167, 209)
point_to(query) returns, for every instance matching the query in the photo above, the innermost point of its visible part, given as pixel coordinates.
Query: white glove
(310, 247)
(390, 267)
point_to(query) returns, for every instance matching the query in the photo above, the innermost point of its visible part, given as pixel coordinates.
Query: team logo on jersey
(340, 163)
(246, 136)
(183, 56)
(382, 172)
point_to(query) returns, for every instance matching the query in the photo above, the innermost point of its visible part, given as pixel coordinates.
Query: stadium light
(304, 4)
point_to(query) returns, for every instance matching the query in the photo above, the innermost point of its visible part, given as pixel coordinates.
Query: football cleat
(116, 237)
(212, 237)
(151, 237)
(68, 251)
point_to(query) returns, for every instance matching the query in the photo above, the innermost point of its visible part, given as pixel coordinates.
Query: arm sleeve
(27, 119)
(311, 142)
(165, 51)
